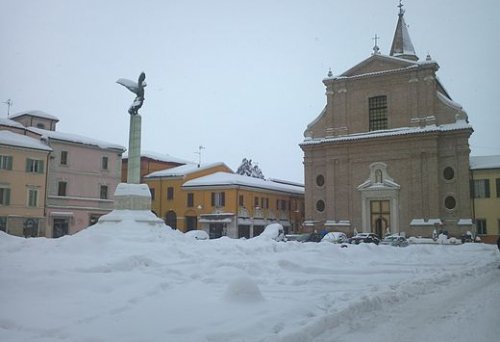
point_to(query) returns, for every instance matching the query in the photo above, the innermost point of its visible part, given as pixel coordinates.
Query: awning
(62, 213)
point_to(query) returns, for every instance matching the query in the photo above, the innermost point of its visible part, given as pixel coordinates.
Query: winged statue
(138, 89)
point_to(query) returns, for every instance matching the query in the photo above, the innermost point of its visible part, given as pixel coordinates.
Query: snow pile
(137, 282)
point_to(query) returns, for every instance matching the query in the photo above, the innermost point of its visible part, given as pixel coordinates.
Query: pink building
(82, 175)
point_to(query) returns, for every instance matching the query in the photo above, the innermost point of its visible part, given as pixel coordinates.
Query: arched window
(378, 176)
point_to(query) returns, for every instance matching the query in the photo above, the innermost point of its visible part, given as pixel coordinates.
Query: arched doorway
(380, 213)
(171, 219)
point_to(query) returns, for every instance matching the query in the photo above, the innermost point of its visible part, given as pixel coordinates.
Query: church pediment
(378, 63)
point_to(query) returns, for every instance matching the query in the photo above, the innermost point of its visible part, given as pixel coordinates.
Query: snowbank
(149, 283)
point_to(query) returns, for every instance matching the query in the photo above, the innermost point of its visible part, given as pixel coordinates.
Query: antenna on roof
(199, 154)
(9, 104)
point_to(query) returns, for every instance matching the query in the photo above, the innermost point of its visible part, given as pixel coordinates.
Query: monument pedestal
(132, 204)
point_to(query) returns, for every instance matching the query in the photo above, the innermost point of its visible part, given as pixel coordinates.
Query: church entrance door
(380, 216)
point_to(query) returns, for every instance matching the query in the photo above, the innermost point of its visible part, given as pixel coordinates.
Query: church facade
(389, 153)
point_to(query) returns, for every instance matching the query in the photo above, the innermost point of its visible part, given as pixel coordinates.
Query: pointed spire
(330, 73)
(402, 46)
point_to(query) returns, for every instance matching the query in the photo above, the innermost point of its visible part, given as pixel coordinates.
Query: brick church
(389, 153)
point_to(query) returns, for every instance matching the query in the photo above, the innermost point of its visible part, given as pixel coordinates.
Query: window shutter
(223, 199)
(41, 166)
(28, 166)
(213, 199)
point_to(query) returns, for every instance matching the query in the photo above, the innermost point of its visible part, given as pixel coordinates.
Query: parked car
(395, 240)
(306, 237)
(364, 238)
(197, 234)
(335, 237)
(273, 231)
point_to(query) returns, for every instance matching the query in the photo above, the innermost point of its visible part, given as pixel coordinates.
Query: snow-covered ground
(127, 282)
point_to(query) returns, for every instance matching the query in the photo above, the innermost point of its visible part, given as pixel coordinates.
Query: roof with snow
(37, 113)
(163, 157)
(183, 170)
(19, 140)
(219, 179)
(77, 139)
(459, 125)
(484, 162)
(10, 123)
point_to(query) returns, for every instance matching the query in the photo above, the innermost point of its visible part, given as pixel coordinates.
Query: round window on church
(450, 202)
(320, 180)
(320, 206)
(448, 173)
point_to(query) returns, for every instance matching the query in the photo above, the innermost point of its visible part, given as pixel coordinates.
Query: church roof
(401, 44)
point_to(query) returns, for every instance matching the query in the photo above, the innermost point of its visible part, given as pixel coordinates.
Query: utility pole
(9, 104)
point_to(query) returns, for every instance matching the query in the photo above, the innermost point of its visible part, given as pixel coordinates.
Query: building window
(264, 203)
(64, 158)
(152, 191)
(104, 192)
(320, 180)
(256, 202)
(40, 125)
(448, 173)
(377, 107)
(481, 226)
(4, 196)
(104, 163)
(32, 197)
(93, 218)
(481, 188)
(450, 202)
(3, 223)
(34, 165)
(320, 206)
(498, 187)
(6, 162)
(61, 188)
(190, 200)
(218, 199)
(241, 201)
(170, 193)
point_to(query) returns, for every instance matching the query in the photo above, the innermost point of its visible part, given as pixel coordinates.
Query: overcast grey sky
(241, 78)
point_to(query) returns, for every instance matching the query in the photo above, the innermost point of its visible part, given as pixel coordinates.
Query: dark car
(306, 237)
(364, 238)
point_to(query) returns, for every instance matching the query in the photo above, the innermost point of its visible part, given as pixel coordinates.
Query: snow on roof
(37, 113)
(19, 140)
(458, 125)
(233, 179)
(11, 123)
(484, 162)
(164, 157)
(183, 170)
(75, 138)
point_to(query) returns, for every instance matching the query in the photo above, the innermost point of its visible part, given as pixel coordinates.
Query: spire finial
(376, 49)
(401, 10)
(330, 73)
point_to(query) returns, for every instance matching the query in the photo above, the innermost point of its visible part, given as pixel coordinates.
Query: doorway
(380, 216)
(60, 228)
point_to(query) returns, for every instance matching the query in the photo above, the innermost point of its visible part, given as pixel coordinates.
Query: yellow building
(214, 199)
(23, 184)
(485, 190)
(168, 199)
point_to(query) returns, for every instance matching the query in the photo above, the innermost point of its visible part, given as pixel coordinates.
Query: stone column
(134, 150)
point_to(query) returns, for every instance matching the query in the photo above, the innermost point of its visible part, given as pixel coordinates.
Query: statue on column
(137, 89)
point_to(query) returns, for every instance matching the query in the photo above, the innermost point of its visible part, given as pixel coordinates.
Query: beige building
(23, 179)
(485, 190)
(390, 151)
